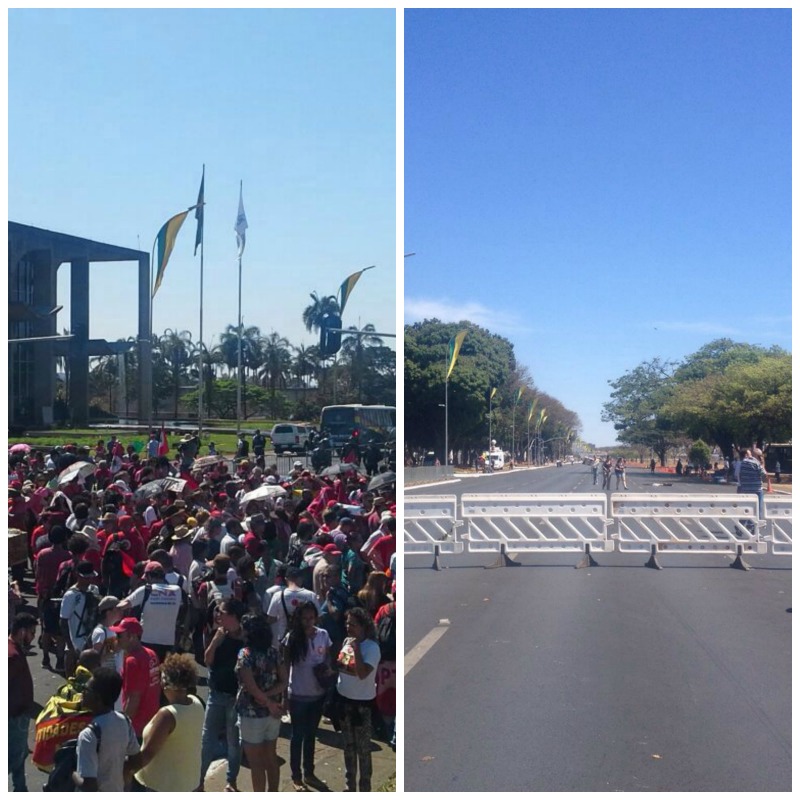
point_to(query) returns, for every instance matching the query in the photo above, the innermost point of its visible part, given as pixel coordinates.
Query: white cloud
(493, 319)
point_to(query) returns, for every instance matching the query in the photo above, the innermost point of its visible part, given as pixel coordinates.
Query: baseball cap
(331, 550)
(128, 625)
(153, 566)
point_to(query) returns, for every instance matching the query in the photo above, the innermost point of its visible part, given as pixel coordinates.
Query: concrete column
(145, 349)
(79, 345)
(44, 298)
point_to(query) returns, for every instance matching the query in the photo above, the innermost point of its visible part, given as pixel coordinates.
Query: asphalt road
(612, 678)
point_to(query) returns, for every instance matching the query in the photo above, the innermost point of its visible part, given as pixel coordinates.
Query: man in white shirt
(283, 603)
(79, 613)
(160, 603)
(109, 738)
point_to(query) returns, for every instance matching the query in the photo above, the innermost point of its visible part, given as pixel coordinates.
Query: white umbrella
(262, 493)
(80, 469)
(207, 461)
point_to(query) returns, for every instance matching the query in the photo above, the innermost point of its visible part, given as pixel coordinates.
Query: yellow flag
(494, 392)
(453, 349)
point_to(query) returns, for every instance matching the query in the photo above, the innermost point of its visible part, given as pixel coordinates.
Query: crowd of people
(283, 587)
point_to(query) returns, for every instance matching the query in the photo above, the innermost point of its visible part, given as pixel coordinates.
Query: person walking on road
(608, 467)
(619, 471)
(20, 707)
(595, 470)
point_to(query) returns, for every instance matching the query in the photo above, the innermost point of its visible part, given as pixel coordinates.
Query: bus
(375, 423)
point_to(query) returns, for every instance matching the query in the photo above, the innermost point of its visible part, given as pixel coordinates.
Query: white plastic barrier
(517, 523)
(778, 515)
(429, 522)
(687, 523)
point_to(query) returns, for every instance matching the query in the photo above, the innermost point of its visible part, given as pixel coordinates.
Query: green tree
(636, 403)
(276, 365)
(700, 454)
(177, 350)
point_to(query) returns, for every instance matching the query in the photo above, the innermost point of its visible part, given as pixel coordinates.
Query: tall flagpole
(239, 359)
(201, 370)
(446, 409)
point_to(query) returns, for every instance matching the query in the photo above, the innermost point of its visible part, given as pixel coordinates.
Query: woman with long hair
(358, 661)
(374, 594)
(169, 760)
(262, 681)
(306, 648)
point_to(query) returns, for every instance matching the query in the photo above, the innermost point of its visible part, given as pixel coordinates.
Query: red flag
(163, 447)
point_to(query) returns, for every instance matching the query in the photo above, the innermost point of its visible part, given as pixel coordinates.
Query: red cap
(331, 550)
(128, 625)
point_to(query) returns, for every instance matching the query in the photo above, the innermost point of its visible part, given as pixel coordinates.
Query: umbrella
(19, 448)
(262, 493)
(152, 488)
(338, 469)
(207, 461)
(381, 480)
(80, 469)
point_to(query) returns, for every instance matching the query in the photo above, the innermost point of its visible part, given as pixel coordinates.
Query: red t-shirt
(47, 563)
(140, 675)
(384, 548)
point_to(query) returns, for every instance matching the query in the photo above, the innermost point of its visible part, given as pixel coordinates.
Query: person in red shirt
(128, 530)
(381, 551)
(20, 690)
(46, 568)
(141, 679)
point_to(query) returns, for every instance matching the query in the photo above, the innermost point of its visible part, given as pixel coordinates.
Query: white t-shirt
(160, 612)
(302, 681)
(349, 684)
(73, 609)
(150, 515)
(293, 599)
(117, 740)
(115, 661)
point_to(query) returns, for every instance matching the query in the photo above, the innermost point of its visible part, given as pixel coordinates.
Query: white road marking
(421, 648)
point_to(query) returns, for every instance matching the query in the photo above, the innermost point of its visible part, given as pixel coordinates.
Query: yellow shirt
(176, 767)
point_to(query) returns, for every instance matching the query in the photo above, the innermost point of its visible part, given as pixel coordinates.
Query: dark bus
(778, 453)
(373, 423)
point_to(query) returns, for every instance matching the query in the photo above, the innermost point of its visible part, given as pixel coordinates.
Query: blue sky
(112, 115)
(601, 187)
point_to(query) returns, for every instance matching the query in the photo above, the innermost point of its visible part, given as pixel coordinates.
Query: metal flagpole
(239, 358)
(200, 371)
(446, 411)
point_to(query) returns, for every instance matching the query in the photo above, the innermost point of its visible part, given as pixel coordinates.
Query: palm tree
(354, 346)
(320, 306)
(303, 364)
(178, 350)
(277, 361)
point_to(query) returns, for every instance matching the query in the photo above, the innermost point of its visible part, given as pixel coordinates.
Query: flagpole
(239, 357)
(513, 430)
(446, 409)
(152, 284)
(200, 371)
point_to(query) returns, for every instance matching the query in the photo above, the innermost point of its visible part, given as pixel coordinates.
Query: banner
(453, 349)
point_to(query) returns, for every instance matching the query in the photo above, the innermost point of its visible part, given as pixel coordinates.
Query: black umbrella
(381, 480)
(338, 469)
(152, 488)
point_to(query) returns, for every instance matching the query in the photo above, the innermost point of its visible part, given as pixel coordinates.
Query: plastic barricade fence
(687, 523)
(517, 523)
(429, 525)
(778, 516)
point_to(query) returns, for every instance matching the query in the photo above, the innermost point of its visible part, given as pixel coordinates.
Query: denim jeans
(305, 715)
(220, 716)
(18, 750)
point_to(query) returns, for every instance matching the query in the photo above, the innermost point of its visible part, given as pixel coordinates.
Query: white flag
(241, 223)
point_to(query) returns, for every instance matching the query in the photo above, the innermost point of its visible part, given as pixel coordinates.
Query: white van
(288, 436)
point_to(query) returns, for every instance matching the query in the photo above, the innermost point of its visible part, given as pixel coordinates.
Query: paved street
(612, 678)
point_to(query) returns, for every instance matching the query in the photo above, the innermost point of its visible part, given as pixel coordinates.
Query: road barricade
(429, 526)
(687, 523)
(778, 516)
(516, 523)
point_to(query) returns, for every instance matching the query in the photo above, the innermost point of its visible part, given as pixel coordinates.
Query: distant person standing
(679, 468)
(608, 468)
(619, 471)
(652, 466)
(751, 475)
(595, 470)
(259, 443)
(777, 472)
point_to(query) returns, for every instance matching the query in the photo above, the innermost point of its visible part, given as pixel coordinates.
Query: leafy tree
(700, 454)
(636, 403)
(277, 362)
(177, 350)
(222, 403)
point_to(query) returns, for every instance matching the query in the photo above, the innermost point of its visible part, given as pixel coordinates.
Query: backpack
(90, 615)
(387, 634)
(65, 762)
